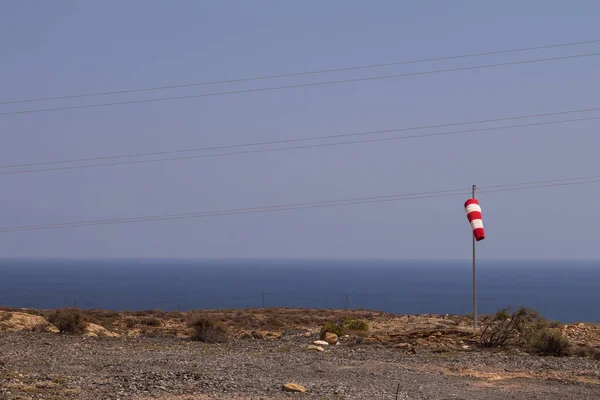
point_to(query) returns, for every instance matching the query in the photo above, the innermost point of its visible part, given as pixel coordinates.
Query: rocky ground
(404, 357)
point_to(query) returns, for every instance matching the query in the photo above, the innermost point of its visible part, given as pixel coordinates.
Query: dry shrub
(549, 342)
(130, 322)
(273, 322)
(101, 317)
(507, 326)
(175, 315)
(587, 352)
(150, 321)
(5, 316)
(68, 320)
(147, 313)
(208, 331)
(522, 327)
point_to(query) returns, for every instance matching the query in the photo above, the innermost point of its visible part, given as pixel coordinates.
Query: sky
(71, 47)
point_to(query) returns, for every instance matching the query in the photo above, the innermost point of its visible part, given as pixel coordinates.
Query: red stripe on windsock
(474, 215)
(471, 201)
(479, 234)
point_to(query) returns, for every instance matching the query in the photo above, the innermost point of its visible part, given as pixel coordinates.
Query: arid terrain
(150, 355)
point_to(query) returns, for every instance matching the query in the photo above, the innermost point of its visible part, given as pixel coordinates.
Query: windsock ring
(473, 211)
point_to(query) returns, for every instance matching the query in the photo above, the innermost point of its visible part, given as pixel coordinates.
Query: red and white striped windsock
(474, 215)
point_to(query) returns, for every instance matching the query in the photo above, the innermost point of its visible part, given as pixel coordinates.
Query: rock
(307, 334)
(94, 330)
(465, 347)
(331, 338)
(411, 351)
(313, 347)
(403, 346)
(321, 343)
(293, 387)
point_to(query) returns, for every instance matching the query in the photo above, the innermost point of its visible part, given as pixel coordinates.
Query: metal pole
(474, 278)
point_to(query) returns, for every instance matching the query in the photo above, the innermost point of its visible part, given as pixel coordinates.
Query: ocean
(568, 291)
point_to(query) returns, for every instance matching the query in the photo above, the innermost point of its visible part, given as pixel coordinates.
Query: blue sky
(71, 47)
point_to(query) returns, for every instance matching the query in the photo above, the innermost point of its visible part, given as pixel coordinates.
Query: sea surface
(568, 291)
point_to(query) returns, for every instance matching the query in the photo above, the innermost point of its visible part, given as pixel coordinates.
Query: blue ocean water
(568, 291)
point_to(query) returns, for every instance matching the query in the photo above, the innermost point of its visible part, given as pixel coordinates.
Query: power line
(283, 207)
(286, 75)
(436, 134)
(320, 204)
(284, 141)
(323, 83)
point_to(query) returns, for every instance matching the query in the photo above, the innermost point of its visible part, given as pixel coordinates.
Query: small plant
(332, 327)
(356, 325)
(525, 327)
(5, 316)
(507, 326)
(68, 320)
(587, 352)
(150, 321)
(208, 331)
(549, 342)
(273, 322)
(343, 325)
(130, 322)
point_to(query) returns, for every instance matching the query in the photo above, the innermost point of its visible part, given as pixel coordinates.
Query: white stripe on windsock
(476, 223)
(473, 207)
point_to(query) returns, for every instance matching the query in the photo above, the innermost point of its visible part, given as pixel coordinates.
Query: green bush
(208, 331)
(332, 327)
(549, 342)
(343, 325)
(68, 320)
(356, 325)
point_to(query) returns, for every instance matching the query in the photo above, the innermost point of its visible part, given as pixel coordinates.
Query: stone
(321, 343)
(307, 334)
(313, 347)
(331, 338)
(94, 330)
(293, 387)
(465, 347)
(403, 346)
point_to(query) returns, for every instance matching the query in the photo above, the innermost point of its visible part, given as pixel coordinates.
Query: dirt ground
(411, 357)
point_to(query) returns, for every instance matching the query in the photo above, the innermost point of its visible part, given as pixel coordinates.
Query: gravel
(52, 366)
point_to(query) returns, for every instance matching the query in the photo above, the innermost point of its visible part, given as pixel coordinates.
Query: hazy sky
(71, 47)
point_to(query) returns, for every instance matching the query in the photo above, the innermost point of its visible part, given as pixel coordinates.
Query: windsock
(473, 211)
